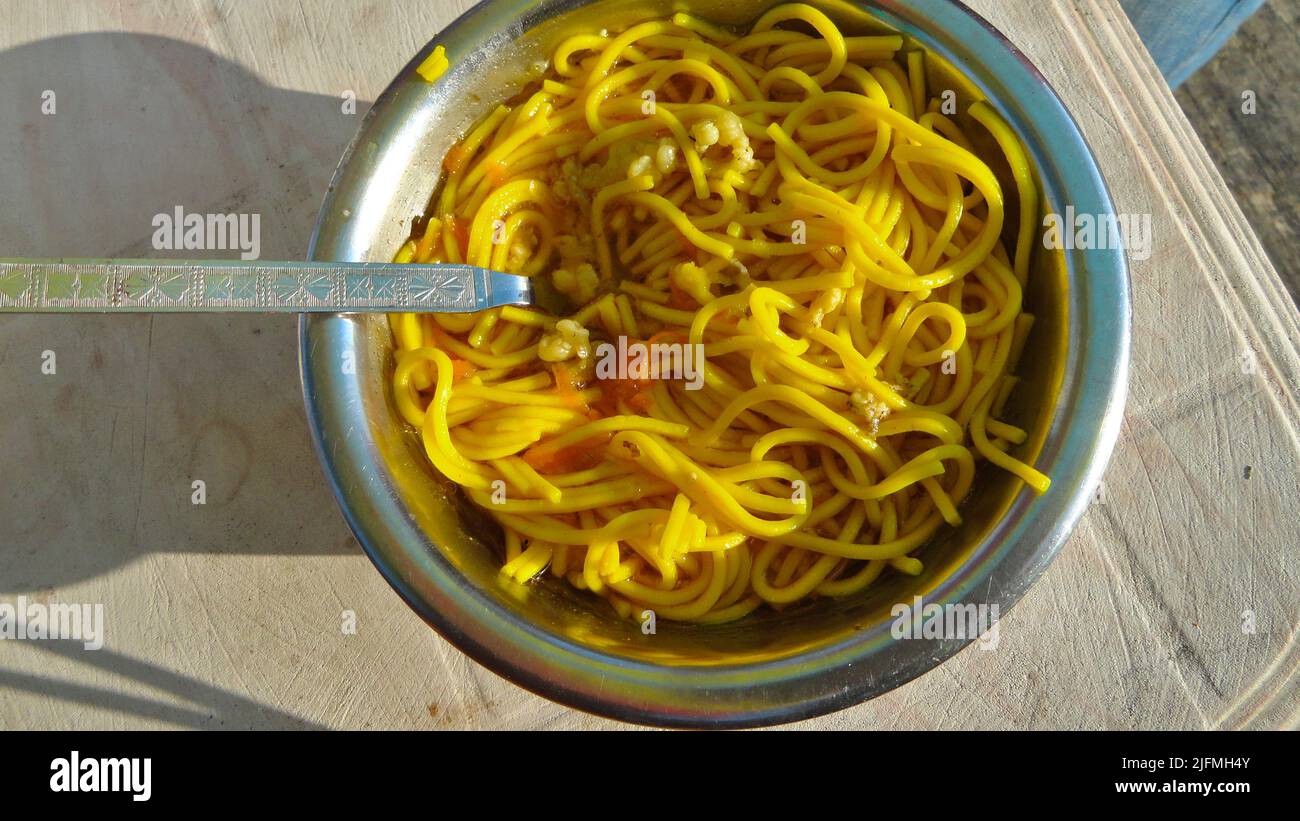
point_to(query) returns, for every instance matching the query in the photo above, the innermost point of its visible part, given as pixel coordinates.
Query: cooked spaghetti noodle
(792, 201)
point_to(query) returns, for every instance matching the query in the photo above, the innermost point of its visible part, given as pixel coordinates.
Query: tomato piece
(455, 159)
(497, 173)
(460, 230)
(461, 369)
(579, 456)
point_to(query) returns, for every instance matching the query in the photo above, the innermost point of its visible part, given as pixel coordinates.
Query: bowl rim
(1014, 552)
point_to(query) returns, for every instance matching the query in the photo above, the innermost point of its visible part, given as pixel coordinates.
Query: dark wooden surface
(1258, 153)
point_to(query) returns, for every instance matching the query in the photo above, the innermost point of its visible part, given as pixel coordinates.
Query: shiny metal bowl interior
(442, 555)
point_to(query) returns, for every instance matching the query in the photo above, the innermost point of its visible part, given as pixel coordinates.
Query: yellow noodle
(788, 203)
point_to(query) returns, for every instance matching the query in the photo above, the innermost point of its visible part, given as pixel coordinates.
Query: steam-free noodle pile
(796, 202)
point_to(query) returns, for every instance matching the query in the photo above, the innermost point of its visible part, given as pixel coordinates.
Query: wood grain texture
(229, 614)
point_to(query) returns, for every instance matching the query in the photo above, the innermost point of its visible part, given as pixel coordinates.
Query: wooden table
(1173, 605)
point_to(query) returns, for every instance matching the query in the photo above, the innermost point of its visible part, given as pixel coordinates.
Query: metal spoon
(252, 286)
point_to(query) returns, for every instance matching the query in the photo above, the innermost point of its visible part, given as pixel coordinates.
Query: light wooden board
(229, 614)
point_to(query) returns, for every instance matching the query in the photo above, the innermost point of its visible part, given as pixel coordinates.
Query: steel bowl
(442, 555)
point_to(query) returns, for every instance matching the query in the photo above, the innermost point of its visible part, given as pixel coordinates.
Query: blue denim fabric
(1182, 35)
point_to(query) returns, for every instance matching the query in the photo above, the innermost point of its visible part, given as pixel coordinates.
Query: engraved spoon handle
(253, 286)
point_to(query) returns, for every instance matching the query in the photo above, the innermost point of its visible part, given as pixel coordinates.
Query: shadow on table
(111, 421)
(208, 707)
